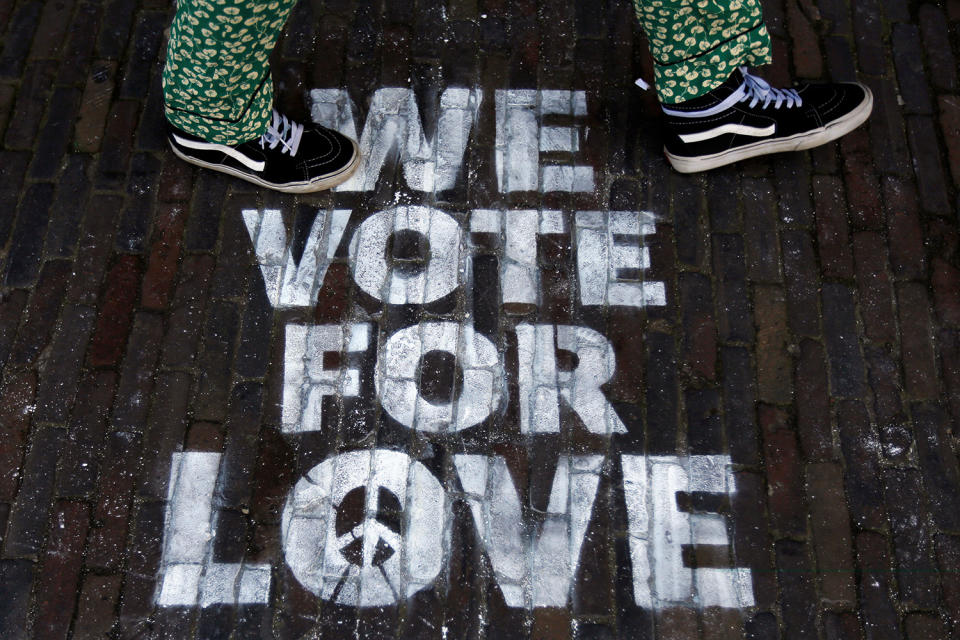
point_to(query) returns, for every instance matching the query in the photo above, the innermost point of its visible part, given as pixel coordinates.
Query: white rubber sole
(806, 140)
(320, 184)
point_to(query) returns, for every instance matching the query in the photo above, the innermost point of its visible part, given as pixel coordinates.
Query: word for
(531, 153)
(610, 254)
(398, 373)
(372, 527)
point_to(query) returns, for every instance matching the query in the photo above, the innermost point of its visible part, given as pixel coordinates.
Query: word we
(371, 528)
(531, 154)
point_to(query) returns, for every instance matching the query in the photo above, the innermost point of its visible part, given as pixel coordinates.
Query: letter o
(366, 528)
(375, 276)
(398, 386)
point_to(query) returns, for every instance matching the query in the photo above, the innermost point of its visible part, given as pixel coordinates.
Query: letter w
(288, 283)
(539, 571)
(394, 123)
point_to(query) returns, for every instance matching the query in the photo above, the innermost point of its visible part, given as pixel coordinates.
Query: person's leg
(217, 83)
(218, 100)
(697, 44)
(718, 113)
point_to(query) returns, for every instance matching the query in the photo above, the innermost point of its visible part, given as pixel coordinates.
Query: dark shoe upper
(287, 154)
(745, 110)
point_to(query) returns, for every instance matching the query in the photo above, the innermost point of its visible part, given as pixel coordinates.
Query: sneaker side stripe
(739, 129)
(246, 161)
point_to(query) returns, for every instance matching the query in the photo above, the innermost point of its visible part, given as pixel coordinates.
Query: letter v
(539, 572)
(289, 284)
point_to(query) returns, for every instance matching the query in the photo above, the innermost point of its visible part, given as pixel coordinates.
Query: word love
(372, 527)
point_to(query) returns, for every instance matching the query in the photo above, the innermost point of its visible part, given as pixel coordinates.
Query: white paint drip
(287, 283)
(377, 276)
(366, 553)
(521, 137)
(190, 576)
(393, 122)
(305, 379)
(658, 530)
(610, 253)
(537, 572)
(398, 377)
(540, 380)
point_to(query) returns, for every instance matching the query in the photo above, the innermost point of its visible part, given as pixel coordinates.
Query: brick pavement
(520, 381)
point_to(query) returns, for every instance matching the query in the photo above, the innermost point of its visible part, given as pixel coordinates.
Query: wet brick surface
(763, 446)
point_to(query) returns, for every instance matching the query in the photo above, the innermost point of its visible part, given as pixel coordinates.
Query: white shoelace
(756, 89)
(282, 131)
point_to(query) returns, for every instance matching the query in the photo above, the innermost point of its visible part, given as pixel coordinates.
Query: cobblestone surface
(751, 432)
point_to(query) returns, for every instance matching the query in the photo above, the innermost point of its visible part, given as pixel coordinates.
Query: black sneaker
(746, 117)
(289, 157)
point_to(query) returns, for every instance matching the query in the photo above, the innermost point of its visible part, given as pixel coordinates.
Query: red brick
(924, 626)
(176, 180)
(723, 624)
(760, 234)
(186, 312)
(95, 248)
(873, 285)
(11, 307)
(935, 31)
(802, 282)
(905, 233)
(700, 331)
(115, 145)
(161, 273)
(864, 492)
(880, 619)
(896, 434)
(805, 52)
(953, 10)
(16, 409)
(950, 124)
(41, 313)
(111, 513)
(6, 104)
(32, 98)
(751, 536)
(841, 626)
(813, 412)
(116, 312)
(774, 366)
(77, 475)
(59, 575)
(788, 515)
(833, 235)
(94, 106)
(796, 576)
(831, 534)
(165, 432)
(916, 342)
(677, 623)
(948, 559)
(946, 292)
(949, 345)
(52, 29)
(96, 608)
(863, 186)
(59, 376)
(932, 180)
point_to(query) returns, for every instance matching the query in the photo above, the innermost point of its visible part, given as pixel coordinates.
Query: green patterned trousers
(217, 83)
(696, 44)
